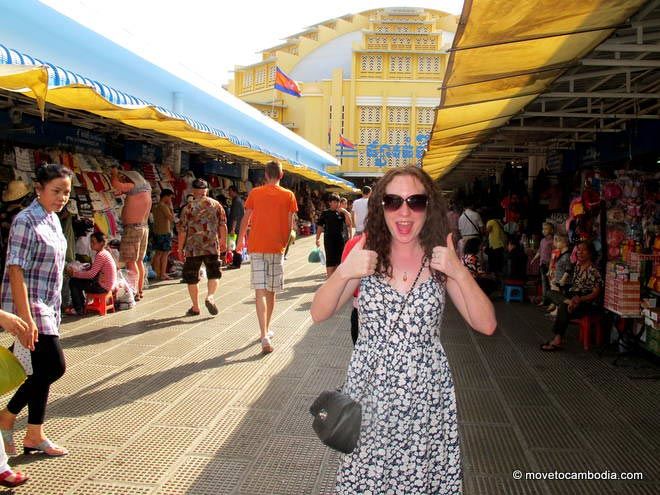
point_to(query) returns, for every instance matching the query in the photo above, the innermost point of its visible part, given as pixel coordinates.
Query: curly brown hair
(433, 233)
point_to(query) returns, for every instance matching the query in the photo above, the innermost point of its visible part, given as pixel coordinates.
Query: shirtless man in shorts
(134, 218)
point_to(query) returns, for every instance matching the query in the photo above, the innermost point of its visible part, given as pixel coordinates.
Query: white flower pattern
(409, 437)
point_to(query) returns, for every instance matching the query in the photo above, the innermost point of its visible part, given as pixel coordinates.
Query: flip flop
(19, 479)
(46, 448)
(550, 347)
(8, 439)
(191, 312)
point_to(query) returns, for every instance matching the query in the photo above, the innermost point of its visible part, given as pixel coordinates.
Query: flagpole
(272, 108)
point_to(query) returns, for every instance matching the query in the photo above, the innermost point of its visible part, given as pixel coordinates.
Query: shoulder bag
(337, 417)
(12, 373)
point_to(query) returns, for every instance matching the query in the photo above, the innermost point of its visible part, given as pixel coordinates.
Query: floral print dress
(409, 440)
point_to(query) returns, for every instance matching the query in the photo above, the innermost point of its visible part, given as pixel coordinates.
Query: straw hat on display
(16, 189)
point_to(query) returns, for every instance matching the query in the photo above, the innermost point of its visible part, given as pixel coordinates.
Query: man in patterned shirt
(202, 239)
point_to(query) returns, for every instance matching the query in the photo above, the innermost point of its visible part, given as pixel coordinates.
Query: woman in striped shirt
(100, 278)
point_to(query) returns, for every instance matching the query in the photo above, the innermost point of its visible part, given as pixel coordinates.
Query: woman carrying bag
(32, 288)
(406, 268)
(13, 325)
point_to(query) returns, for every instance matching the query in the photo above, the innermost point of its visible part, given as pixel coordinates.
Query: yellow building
(372, 78)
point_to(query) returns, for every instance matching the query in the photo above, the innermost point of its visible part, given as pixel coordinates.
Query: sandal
(266, 346)
(71, 311)
(18, 478)
(192, 312)
(46, 448)
(550, 347)
(8, 440)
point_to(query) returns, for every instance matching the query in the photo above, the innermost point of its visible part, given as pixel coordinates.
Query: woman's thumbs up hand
(444, 259)
(360, 262)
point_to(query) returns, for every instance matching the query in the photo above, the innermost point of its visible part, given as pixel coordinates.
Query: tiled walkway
(157, 403)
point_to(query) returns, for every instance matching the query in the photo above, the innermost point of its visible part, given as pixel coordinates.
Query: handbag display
(337, 417)
(12, 374)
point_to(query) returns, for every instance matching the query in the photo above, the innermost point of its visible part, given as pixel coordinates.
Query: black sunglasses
(416, 202)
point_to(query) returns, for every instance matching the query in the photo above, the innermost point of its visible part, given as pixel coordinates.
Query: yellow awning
(503, 57)
(26, 78)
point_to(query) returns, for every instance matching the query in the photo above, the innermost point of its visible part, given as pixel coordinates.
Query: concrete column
(536, 163)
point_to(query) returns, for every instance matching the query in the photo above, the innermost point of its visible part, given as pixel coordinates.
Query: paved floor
(157, 403)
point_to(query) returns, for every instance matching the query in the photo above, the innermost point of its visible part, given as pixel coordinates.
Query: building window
(247, 80)
(424, 116)
(370, 115)
(371, 63)
(398, 115)
(401, 43)
(377, 42)
(368, 135)
(343, 110)
(271, 73)
(259, 77)
(400, 151)
(426, 43)
(428, 64)
(400, 63)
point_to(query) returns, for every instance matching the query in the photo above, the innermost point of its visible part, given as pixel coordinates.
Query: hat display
(16, 189)
(200, 184)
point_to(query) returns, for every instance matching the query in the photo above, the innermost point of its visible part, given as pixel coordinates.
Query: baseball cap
(200, 184)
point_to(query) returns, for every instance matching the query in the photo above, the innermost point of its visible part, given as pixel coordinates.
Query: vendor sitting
(586, 286)
(100, 278)
(471, 261)
(515, 262)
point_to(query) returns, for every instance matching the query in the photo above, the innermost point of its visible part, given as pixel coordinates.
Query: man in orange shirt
(269, 210)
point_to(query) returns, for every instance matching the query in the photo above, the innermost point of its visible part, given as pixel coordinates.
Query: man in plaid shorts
(269, 210)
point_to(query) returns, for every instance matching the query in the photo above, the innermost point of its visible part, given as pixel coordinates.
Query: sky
(204, 40)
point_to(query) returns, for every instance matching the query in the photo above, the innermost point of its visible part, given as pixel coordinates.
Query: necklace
(405, 276)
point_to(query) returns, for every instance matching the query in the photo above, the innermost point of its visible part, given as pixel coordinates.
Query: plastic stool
(101, 303)
(513, 293)
(585, 323)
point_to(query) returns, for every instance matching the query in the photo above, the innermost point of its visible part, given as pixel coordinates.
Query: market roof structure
(229, 125)
(502, 60)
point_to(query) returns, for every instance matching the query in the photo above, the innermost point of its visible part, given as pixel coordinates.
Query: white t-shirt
(360, 213)
(465, 226)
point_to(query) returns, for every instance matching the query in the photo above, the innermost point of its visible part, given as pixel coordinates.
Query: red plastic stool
(585, 323)
(101, 303)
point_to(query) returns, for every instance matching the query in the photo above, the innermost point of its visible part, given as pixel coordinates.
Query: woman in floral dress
(399, 371)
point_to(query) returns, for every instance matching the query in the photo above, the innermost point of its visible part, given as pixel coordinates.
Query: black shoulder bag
(337, 417)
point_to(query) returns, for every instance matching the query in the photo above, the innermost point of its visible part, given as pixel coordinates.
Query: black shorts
(334, 246)
(192, 265)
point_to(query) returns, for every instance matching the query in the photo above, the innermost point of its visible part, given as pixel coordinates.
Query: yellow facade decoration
(372, 77)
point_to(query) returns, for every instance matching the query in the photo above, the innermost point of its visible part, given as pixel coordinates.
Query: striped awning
(47, 82)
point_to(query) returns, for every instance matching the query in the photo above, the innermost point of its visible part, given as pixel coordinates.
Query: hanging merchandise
(631, 201)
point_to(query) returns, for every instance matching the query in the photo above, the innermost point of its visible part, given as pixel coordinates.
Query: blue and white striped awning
(60, 78)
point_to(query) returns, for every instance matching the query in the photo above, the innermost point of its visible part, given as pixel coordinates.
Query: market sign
(28, 129)
(382, 152)
(135, 151)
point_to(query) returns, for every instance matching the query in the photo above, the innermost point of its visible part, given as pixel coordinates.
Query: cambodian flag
(345, 143)
(285, 84)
